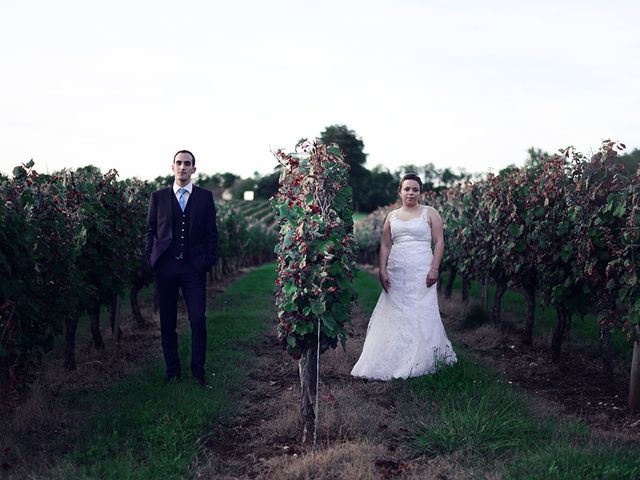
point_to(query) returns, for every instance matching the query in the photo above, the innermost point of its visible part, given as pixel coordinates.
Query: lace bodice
(414, 230)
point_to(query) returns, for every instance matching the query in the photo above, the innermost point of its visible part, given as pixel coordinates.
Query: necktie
(182, 200)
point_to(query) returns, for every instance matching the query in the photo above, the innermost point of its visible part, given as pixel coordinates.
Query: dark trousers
(171, 275)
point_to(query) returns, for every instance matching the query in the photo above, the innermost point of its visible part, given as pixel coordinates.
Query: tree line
(371, 188)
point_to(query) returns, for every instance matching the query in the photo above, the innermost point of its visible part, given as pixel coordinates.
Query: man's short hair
(193, 158)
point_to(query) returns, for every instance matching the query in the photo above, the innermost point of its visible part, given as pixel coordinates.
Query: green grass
(471, 410)
(586, 330)
(368, 288)
(357, 216)
(142, 428)
(473, 413)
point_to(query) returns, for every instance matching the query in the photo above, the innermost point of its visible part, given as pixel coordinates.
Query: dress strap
(425, 215)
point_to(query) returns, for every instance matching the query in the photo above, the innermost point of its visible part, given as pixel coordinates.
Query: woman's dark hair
(410, 176)
(193, 158)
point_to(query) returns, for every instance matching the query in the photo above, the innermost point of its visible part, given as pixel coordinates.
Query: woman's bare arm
(385, 249)
(437, 235)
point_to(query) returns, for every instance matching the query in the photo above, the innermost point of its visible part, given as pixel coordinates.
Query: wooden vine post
(634, 380)
(316, 262)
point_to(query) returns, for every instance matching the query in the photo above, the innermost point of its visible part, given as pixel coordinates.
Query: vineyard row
(74, 241)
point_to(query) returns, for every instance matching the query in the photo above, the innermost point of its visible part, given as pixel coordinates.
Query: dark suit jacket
(203, 232)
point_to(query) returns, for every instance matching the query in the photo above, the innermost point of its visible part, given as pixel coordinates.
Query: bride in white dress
(405, 337)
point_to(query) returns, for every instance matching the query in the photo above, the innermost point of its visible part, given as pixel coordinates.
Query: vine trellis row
(62, 234)
(566, 229)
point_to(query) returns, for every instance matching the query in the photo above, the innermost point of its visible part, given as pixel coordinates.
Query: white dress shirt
(187, 187)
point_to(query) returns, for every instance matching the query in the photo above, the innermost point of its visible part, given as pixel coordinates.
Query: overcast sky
(471, 84)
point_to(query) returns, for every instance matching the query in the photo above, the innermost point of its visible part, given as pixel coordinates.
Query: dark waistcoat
(179, 247)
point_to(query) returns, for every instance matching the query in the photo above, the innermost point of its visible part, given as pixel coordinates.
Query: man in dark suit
(181, 247)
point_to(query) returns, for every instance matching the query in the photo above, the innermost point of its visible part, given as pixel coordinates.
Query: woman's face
(410, 193)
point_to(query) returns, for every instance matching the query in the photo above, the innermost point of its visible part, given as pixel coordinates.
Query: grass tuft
(562, 460)
(471, 410)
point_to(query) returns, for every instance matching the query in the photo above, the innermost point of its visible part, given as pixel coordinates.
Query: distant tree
(428, 174)
(382, 189)
(536, 157)
(434, 179)
(353, 148)
(349, 143)
(410, 168)
(228, 179)
(217, 182)
(509, 169)
(630, 161)
(164, 181)
(267, 185)
(210, 182)
(448, 177)
(88, 170)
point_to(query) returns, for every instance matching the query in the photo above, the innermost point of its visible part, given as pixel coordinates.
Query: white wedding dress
(405, 336)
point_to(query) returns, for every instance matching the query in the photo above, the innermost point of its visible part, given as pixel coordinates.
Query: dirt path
(359, 434)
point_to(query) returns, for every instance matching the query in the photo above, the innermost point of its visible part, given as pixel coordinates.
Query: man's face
(183, 168)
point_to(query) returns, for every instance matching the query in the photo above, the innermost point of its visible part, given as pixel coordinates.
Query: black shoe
(204, 384)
